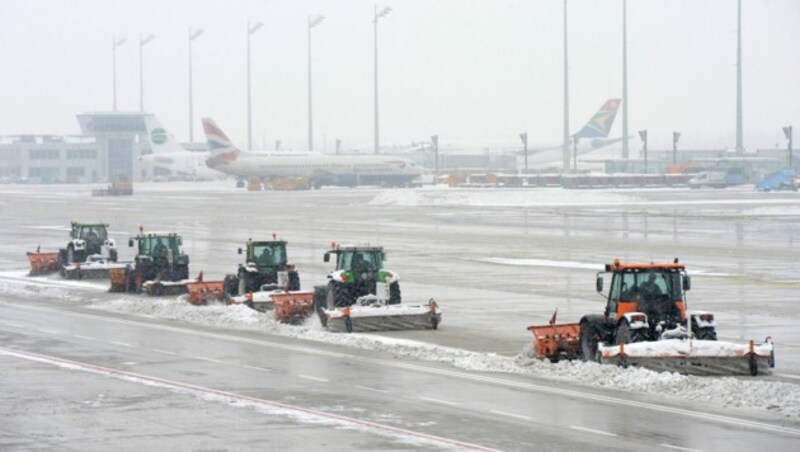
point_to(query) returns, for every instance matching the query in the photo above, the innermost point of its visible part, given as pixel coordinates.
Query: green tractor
(86, 239)
(158, 256)
(265, 268)
(359, 272)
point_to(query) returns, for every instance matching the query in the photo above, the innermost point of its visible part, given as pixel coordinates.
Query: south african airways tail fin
(600, 124)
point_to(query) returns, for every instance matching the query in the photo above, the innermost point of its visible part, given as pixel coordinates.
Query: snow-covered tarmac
(495, 260)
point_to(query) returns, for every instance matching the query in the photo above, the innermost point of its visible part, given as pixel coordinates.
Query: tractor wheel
(623, 334)
(62, 262)
(112, 255)
(588, 340)
(339, 294)
(230, 285)
(294, 280)
(320, 293)
(706, 334)
(394, 293)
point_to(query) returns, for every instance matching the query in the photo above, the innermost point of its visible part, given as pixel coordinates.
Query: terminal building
(107, 149)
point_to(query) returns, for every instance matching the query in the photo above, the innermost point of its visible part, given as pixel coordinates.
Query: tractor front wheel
(394, 293)
(339, 295)
(588, 341)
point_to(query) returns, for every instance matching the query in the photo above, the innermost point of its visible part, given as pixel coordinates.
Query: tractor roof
(266, 242)
(156, 234)
(618, 266)
(340, 248)
(79, 223)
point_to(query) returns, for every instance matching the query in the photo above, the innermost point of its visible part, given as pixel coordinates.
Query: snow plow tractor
(361, 295)
(646, 323)
(90, 253)
(160, 267)
(265, 269)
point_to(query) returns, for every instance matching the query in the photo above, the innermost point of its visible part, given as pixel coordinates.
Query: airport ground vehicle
(361, 295)
(90, 252)
(159, 268)
(646, 322)
(265, 265)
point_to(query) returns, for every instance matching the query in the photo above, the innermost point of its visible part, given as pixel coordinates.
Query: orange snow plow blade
(202, 292)
(293, 307)
(42, 263)
(556, 341)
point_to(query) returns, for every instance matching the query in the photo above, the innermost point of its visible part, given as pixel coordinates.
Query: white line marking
(444, 402)
(211, 360)
(309, 377)
(590, 430)
(518, 416)
(573, 393)
(165, 352)
(88, 338)
(262, 369)
(793, 377)
(383, 391)
(201, 391)
(46, 331)
(13, 325)
(121, 344)
(670, 446)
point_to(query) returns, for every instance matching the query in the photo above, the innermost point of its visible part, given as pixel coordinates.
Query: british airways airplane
(320, 169)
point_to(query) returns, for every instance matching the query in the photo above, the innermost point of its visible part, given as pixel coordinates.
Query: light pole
(193, 34)
(251, 28)
(378, 14)
(565, 150)
(524, 137)
(114, 44)
(675, 137)
(435, 143)
(739, 125)
(625, 152)
(788, 132)
(575, 153)
(643, 136)
(142, 41)
(312, 22)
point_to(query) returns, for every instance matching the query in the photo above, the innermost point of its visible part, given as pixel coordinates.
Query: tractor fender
(78, 244)
(703, 319)
(388, 276)
(341, 276)
(640, 322)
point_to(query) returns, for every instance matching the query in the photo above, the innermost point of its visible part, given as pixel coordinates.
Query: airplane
(592, 136)
(319, 169)
(170, 159)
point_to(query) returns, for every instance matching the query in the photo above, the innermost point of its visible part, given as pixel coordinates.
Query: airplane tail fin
(219, 145)
(161, 141)
(600, 124)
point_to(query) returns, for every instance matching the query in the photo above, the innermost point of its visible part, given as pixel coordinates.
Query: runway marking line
(383, 391)
(88, 338)
(574, 393)
(591, 430)
(164, 352)
(309, 377)
(262, 369)
(211, 360)
(443, 402)
(121, 344)
(46, 331)
(670, 446)
(517, 416)
(194, 389)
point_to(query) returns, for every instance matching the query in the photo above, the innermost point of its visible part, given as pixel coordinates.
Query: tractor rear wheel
(588, 341)
(339, 294)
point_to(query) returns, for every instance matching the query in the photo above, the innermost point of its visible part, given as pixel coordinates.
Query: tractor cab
(159, 254)
(266, 255)
(357, 260)
(359, 272)
(87, 239)
(158, 245)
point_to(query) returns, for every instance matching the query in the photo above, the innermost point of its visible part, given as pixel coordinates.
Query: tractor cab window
(160, 246)
(627, 287)
(366, 262)
(92, 232)
(268, 255)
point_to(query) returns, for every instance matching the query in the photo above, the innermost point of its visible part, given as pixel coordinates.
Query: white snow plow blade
(383, 318)
(693, 357)
(94, 268)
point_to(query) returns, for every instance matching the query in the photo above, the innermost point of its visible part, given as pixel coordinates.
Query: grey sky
(467, 70)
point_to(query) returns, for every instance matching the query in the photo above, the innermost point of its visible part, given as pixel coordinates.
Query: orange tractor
(646, 322)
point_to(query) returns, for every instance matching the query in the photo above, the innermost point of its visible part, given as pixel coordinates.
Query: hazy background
(467, 70)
